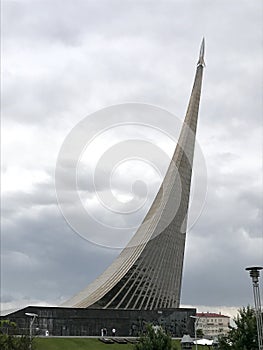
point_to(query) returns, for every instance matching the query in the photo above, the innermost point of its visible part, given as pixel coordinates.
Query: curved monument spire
(148, 272)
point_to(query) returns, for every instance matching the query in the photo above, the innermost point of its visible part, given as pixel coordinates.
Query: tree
(244, 335)
(9, 341)
(199, 333)
(154, 339)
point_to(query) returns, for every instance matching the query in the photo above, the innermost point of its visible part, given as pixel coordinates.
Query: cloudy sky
(63, 61)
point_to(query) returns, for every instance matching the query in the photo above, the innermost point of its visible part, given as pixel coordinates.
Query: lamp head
(31, 314)
(254, 272)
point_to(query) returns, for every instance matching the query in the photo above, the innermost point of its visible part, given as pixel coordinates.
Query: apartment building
(213, 324)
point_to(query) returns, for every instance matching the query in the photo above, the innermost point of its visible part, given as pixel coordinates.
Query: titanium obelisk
(148, 272)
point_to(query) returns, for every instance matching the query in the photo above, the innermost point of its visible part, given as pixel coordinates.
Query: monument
(148, 273)
(144, 283)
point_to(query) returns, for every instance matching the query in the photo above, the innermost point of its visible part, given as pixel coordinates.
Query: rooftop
(210, 314)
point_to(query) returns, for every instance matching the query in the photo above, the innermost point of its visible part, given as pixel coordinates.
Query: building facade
(213, 324)
(147, 274)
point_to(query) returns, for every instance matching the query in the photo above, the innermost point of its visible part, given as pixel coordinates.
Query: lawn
(77, 344)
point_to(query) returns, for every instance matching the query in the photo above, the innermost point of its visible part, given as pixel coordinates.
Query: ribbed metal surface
(148, 272)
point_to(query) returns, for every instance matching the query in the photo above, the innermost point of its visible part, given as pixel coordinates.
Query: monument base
(61, 321)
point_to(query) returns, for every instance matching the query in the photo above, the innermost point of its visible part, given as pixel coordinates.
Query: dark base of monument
(60, 321)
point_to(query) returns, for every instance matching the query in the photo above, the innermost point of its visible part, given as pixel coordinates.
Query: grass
(78, 344)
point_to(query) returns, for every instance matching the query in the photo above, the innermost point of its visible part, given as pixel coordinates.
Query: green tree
(244, 335)
(154, 339)
(9, 341)
(199, 333)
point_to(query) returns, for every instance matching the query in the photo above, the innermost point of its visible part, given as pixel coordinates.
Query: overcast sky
(62, 61)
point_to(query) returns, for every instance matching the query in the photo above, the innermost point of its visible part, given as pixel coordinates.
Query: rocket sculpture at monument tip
(147, 274)
(202, 54)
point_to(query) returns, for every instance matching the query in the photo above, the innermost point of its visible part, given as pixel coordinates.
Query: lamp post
(33, 317)
(196, 322)
(254, 274)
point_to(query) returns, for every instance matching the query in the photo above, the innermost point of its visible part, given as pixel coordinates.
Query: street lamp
(33, 317)
(196, 322)
(254, 274)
